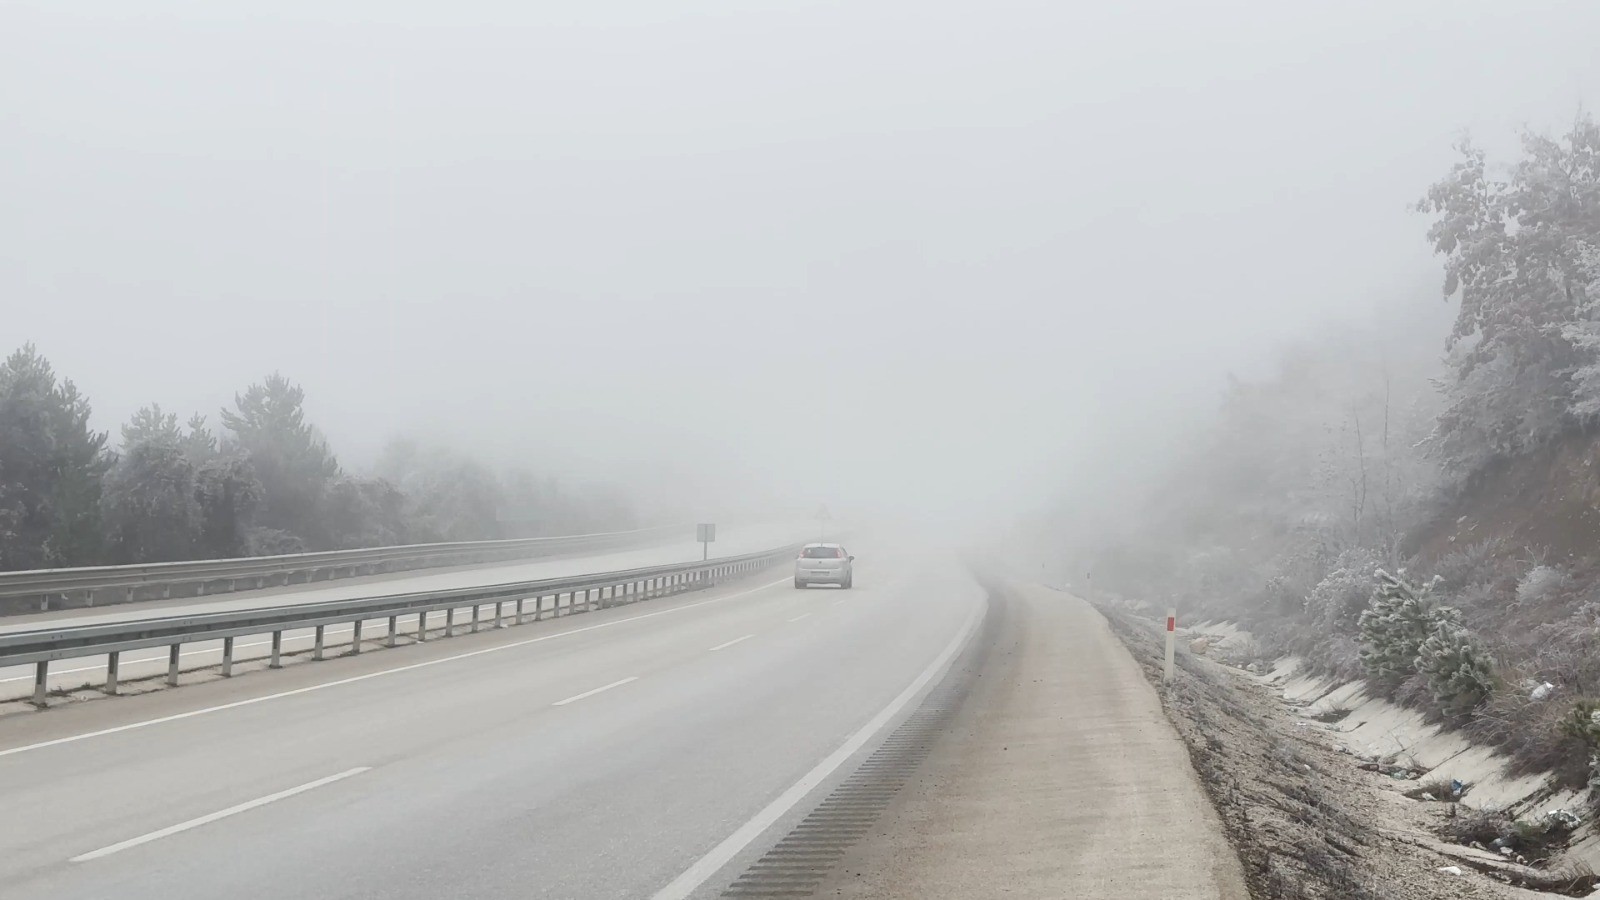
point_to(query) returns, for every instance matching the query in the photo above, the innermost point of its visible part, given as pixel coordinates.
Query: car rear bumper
(826, 576)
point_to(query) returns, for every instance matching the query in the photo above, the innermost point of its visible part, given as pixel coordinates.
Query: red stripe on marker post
(1172, 623)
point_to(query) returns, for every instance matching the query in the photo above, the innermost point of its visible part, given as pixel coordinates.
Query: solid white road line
(726, 645)
(251, 701)
(220, 814)
(708, 865)
(799, 617)
(576, 697)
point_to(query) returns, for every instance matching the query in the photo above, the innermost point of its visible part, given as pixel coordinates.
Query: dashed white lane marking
(220, 814)
(590, 693)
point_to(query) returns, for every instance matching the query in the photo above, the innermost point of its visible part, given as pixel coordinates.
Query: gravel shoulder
(1060, 776)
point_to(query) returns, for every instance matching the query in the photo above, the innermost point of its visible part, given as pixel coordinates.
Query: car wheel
(799, 585)
(849, 582)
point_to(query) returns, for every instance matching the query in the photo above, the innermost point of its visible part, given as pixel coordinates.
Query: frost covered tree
(1335, 604)
(1399, 618)
(290, 459)
(199, 444)
(51, 465)
(227, 495)
(1458, 667)
(150, 510)
(1519, 255)
(150, 425)
(364, 512)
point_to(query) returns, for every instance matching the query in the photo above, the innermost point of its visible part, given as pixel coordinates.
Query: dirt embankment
(1308, 823)
(1547, 502)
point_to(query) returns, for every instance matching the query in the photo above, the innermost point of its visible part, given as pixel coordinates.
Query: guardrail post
(172, 665)
(316, 650)
(277, 651)
(355, 638)
(41, 678)
(227, 657)
(450, 622)
(476, 610)
(422, 627)
(499, 614)
(113, 662)
(522, 608)
(389, 641)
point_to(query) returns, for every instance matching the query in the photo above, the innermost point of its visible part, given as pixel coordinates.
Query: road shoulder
(1059, 777)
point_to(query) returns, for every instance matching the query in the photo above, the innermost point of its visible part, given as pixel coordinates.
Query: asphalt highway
(644, 751)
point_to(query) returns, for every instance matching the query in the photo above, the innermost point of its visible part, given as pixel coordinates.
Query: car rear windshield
(823, 553)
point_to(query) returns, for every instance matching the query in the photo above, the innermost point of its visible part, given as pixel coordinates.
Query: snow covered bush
(1540, 584)
(1335, 603)
(1459, 670)
(1396, 622)
(1582, 722)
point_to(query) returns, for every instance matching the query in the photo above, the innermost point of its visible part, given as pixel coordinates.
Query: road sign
(705, 533)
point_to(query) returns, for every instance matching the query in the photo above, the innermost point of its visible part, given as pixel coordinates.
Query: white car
(824, 564)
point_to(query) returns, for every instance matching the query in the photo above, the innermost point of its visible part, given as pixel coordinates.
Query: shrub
(1540, 583)
(1396, 622)
(1477, 563)
(1582, 724)
(1459, 670)
(1335, 603)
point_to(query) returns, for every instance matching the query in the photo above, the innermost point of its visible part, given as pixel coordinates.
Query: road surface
(603, 755)
(16, 683)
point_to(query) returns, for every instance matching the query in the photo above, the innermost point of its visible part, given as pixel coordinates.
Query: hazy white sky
(921, 254)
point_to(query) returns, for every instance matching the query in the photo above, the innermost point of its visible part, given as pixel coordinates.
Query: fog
(936, 259)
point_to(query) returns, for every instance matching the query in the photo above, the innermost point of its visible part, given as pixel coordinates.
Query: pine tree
(1459, 670)
(51, 464)
(1397, 621)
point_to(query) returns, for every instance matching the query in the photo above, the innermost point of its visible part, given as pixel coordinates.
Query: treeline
(1306, 508)
(264, 482)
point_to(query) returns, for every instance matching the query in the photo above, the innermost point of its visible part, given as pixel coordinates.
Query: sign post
(705, 534)
(1172, 643)
(823, 518)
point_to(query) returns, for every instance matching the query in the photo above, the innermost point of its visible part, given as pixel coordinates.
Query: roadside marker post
(1172, 644)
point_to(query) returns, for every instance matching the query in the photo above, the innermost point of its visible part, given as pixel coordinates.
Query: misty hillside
(1428, 523)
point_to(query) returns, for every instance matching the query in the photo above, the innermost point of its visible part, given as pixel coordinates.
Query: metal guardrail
(582, 593)
(38, 589)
